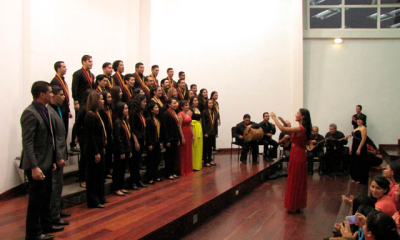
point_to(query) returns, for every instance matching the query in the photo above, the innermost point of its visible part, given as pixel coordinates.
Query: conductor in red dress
(296, 187)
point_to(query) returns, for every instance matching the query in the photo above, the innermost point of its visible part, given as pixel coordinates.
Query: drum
(253, 134)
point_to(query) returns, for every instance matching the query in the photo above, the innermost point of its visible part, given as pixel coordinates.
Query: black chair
(233, 142)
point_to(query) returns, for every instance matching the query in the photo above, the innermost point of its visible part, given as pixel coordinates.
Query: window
(353, 14)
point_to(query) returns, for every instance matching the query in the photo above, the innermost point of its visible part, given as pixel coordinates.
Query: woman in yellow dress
(197, 145)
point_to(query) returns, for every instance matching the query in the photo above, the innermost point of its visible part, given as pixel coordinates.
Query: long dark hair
(119, 110)
(306, 122)
(115, 94)
(106, 105)
(382, 226)
(212, 94)
(382, 182)
(150, 107)
(153, 91)
(92, 103)
(192, 100)
(135, 104)
(201, 98)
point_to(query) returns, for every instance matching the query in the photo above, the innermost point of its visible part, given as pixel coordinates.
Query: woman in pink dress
(296, 187)
(185, 149)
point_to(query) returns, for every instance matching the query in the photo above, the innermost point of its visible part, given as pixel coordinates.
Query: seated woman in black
(153, 142)
(107, 116)
(210, 131)
(138, 130)
(122, 147)
(96, 140)
(172, 137)
(203, 97)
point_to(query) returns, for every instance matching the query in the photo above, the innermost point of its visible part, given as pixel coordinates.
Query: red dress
(296, 187)
(185, 150)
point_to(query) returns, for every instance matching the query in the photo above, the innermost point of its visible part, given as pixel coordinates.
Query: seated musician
(336, 158)
(285, 142)
(238, 134)
(317, 142)
(269, 130)
(372, 152)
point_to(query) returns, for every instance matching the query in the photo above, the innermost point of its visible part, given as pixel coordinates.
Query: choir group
(119, 121)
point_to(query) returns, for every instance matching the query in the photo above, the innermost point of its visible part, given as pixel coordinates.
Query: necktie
(59, 112)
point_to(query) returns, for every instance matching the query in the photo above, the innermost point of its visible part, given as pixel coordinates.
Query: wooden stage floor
(166, 210)
(261, 215)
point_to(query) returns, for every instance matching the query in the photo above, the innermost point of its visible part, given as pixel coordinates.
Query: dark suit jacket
(206, 123)
(79, 85)
(59, 133)
(169, 127)
(137, 127)
(39, 147)
(121, 142)
(151, 132)
(117, 82)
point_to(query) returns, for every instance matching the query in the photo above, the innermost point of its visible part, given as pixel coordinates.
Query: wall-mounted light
(338, 40)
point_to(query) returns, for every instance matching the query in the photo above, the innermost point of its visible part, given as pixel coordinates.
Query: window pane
(356, 2)
(360, 18)
(325, 2)
(390, 17)
(390, 1)
(325, 18)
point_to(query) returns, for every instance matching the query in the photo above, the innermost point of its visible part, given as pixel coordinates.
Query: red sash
(88, 77)
(180, 94)
(65, 88)
(127, 129)
(173, 114)
(120, 80)
(144, 87)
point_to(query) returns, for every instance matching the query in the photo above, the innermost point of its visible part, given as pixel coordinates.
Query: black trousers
(57, 186)
(170, 156)
(274, 151)
(38, 215)
(109, 156)
(152, 162)
(82, 162)
(208, 143)
(95, 181)
(118, 176)
(310, 158)
(134, 162)
(336, 160)
(245, 149)
(72, 144)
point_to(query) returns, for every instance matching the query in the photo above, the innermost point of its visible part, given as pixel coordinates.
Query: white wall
(358, 71)
(244, 50)
(36, 34)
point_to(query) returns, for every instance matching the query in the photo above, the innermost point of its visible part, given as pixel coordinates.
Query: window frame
(377, 32)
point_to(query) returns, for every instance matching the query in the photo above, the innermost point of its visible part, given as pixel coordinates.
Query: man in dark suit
(55, 205)
(82, 80)
(59, 80)
(41, 150)
(269, 130)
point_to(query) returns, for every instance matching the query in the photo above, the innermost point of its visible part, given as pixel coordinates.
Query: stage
(166, 210)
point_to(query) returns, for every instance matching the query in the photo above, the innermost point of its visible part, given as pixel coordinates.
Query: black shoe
(274, 176)
(244, 162)
(65, 214)
(159, 180)
(104, 201)
(141, 184)
(134, 187)
(41, 237)
(53, 229)
(61, 222)
(97, 206)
